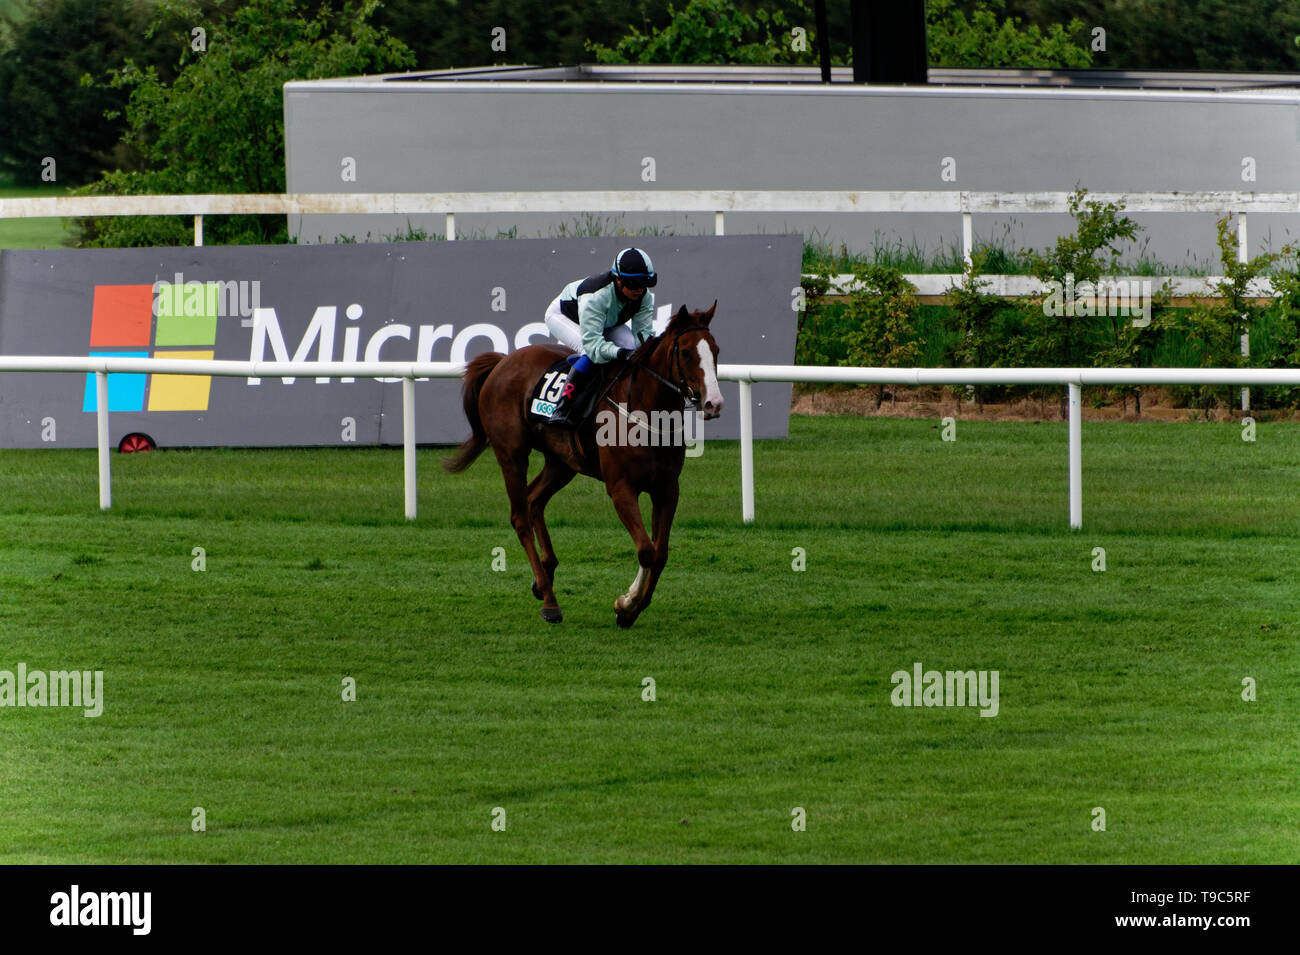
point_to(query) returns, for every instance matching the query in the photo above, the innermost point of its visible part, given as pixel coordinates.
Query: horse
(662, 375)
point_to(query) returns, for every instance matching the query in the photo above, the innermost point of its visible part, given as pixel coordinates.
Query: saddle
(546, 393)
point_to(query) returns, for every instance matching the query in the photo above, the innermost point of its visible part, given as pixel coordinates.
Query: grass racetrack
(32, 233)
(1120, 689)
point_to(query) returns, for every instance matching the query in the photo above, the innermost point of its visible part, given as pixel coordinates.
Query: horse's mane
(643, 351)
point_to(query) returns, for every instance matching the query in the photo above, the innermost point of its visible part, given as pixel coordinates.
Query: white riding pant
(565, 330)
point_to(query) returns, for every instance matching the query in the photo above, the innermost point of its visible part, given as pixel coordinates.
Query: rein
(675, 361)
(638, 422)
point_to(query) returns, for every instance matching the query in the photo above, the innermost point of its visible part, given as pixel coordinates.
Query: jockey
(604, 317)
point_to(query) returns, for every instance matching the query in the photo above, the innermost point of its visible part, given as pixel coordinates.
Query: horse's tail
(476, 373)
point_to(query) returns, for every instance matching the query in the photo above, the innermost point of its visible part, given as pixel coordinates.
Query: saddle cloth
(546, 393)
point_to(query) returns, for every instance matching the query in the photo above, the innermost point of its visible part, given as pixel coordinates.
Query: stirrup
(572, 409)
(563, 417)
(566, 413)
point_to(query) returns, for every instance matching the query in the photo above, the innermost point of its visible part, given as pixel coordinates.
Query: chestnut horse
(668, 370)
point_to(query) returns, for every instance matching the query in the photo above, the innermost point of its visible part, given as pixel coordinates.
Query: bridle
(683, 390)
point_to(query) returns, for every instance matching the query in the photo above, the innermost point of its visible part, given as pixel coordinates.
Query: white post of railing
(408, 444)
(198, 230)
(967, 238)
(1243, 255)
(1245, 353)
(718, 224)
(451, 226)
(746, 452)
(101, 421)
(1076, 456)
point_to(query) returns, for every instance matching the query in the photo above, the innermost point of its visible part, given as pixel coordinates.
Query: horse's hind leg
(553, 477)
(514, 469)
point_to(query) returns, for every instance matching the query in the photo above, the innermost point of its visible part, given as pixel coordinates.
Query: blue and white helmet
(635, 265)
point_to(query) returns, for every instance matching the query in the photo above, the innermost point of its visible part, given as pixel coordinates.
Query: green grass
(32, 233)
(1118, 689)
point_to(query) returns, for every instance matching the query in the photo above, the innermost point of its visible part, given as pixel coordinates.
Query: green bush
(881, 323)
(1214, 328)
(882, 314)
(981, 325)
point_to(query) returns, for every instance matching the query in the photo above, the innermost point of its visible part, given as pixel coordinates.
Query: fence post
(101, 422)
(746, 451)
(1076, 456)
(198, 230)
(408, 444)
(1243, 255)
(451, 226)
(967, 232)
(718, 224)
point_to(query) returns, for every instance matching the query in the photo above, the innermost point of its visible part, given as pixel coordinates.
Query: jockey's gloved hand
(624, 354)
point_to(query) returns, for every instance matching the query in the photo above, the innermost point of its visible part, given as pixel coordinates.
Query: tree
(984, 41)
(451, 33)
(717, 31)
(45, 109)
(1182, 34)
(219, 128)
(720, 31)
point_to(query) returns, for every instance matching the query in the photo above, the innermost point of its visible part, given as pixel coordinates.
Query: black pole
(889, 41)
(859, 37)
(823, 40)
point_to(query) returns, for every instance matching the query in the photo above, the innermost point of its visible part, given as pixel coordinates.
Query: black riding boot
(568, 409)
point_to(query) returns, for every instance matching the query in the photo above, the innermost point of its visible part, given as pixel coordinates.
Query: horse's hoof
(537, 591)
(625, 619)
(552, 614)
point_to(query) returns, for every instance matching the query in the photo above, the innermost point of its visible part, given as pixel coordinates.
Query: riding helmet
(635, 264)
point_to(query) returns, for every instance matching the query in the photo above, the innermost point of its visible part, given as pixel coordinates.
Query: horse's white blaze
(712, 393)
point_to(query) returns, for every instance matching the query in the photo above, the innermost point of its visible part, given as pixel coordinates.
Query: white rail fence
(718, 201)
(958, 202)
(746, 375)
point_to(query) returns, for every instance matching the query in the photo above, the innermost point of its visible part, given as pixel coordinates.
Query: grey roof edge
(809, 75)
(800, 80)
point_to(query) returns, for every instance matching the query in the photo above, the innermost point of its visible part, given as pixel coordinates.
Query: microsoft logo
(122, 324)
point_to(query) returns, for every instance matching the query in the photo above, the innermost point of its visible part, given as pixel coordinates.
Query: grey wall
(47, 300)
(478, 136)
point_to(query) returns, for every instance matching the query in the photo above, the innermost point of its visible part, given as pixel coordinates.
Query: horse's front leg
(631, 604)
(625, 500)
(664, 502)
